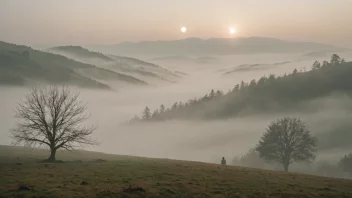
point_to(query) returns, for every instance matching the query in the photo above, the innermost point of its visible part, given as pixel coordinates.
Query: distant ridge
(213, 46)
(22, 65)
(80, 52)
(134, 67)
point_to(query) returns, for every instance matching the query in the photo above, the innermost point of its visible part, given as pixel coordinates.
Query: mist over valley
(124, 86)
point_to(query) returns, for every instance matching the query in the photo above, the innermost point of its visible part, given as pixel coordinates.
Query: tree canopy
(286, 141)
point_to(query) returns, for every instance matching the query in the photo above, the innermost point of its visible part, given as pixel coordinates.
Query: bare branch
(52, 117)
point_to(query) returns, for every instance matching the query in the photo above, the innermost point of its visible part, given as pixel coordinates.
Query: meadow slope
(107, 175)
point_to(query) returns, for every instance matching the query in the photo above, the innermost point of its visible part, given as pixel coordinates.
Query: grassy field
(108, 175)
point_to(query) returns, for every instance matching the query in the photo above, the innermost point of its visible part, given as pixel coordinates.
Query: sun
(232, 30)
(183, 29)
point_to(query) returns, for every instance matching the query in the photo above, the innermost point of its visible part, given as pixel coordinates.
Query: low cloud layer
(206, 141)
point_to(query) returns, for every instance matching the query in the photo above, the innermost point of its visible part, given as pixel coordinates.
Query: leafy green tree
(287, 140)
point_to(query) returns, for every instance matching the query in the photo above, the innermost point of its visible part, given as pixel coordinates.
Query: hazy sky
(113, 21)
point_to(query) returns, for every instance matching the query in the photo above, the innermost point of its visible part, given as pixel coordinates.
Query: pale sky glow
(114, 21)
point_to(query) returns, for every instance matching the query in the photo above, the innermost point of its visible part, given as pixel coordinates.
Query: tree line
(269, 93)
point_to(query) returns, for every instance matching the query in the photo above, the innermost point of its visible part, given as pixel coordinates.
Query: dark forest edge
(268, 94)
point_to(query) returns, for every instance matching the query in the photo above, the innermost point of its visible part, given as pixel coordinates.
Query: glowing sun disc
(183, 29)
(232, 30)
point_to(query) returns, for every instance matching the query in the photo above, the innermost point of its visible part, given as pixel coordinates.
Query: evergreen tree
(212, 94)
(242, 85)
(219, 94)
(146, 114)
(236, 88)
(271, 77)
(335, 60)
(252, 83)
(155, 115)
(262, 80)
(174, 106)
(316, 65)
(205, 98)
(325, 64)
(162, 109)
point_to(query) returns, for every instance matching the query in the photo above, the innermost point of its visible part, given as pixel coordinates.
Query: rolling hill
(213, 46)
(21, 65)
(107, 175)
(80, 53)
(126, 65)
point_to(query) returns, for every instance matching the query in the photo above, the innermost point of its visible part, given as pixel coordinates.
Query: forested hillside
(80, 53)
(268, 94)
(139, 69)
(20, 65)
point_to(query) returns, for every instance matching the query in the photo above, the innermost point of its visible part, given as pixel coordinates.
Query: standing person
(223, 161)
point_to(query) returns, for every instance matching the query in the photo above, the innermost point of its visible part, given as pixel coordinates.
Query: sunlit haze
(113, 21)
(172, 98)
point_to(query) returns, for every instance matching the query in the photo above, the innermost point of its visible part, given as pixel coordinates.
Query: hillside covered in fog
(270, 94)
(22, 65)
(146, 71)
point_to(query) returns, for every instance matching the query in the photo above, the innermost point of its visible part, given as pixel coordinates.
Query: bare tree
(52, 117)
(286, 141)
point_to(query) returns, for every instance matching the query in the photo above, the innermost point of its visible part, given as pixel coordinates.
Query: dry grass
(159, 177)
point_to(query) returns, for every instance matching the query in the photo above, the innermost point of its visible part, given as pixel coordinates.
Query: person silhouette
(223, 161)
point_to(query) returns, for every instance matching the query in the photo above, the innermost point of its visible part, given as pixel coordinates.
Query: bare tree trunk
(52, 157)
